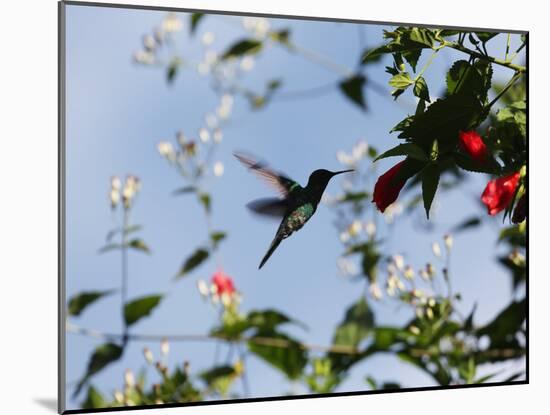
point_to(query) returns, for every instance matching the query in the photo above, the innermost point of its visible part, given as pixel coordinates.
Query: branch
(265, 341)
(506, 64)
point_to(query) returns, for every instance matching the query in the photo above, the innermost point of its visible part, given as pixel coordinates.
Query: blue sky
(117, 112)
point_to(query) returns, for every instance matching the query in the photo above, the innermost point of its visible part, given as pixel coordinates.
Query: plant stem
(428, 63)
(510, 83)
(124, 260)
(507, 48)
(464, 49)
(321, 60)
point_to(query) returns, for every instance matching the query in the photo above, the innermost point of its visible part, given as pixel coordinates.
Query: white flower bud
(218, 169)
(149, 43)
(218, 135)
(166, 150)
(203, 288)
(370, 229)
(436, 249)
(375, 291)
(247, 63)
(129, 379)
(399, 261)
(172, 23)
(148, 355)
(408, 273)
(448, 239)
(204, 135)
(208, 38)
(164, 347)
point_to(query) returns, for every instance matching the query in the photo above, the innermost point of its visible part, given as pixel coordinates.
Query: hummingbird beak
(342, 171)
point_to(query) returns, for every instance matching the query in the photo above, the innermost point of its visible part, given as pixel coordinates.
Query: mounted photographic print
(259, 207)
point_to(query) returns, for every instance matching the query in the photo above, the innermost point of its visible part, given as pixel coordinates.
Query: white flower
(208, 38)
(210, 57)
(203, 68)
(448, 239)
(257, 25)
(218, 168)
(211, 121)
(344, 237)
(116, 183)
(360, 150)
(114, 195)
(218, 135)
(203, 288)
(375, 291)
(414, 330)
(247, 63)
(119, 397)
(172, 23)
(408, 273)
(370, 228)
(436, 249)
(355, 228)
(344, 158)
(166, 150)
(399, 261)
(204, 135)
(346, 266)
(144, 57)
(149, 43)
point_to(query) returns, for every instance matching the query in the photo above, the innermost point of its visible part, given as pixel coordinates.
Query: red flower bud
(473, 144)
(223, 283)
(499, 193)
(387, 189)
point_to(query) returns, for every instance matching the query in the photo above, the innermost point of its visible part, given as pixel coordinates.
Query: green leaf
(206, 202)
(137, 309)
(220, 378)
(352, 88)
(195, 19)
(423, 36)
(443, 119)
(401, 80)
(286, 354)
(109, 247)
(485, 36)
(467, 224)
(197, 258)
(467, 163)
(281, 36)
(243, 47)
(102, 356)
(507, 323)
(216, 237)
(357, 324)
(407, 149)
(412, 56)
(172, 69)
(371, 55)
(94, 399)
(430, 181)
(268, 320)
(184, 190)
(126, 231)
(79, 302)
(139, 245)
(421, 89)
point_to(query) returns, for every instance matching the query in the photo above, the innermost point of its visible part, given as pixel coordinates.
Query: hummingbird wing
(269, 207)
(282, 184)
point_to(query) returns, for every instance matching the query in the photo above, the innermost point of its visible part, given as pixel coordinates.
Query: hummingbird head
(319, 179)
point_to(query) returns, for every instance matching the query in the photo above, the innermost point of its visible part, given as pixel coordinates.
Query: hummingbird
(295, 204)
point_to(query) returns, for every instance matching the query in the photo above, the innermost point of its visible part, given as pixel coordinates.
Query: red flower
(499, 193)
(387, 189)
(472, 143)
(223, 283)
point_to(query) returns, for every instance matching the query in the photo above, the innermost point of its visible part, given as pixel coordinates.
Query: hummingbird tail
(276, 241)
